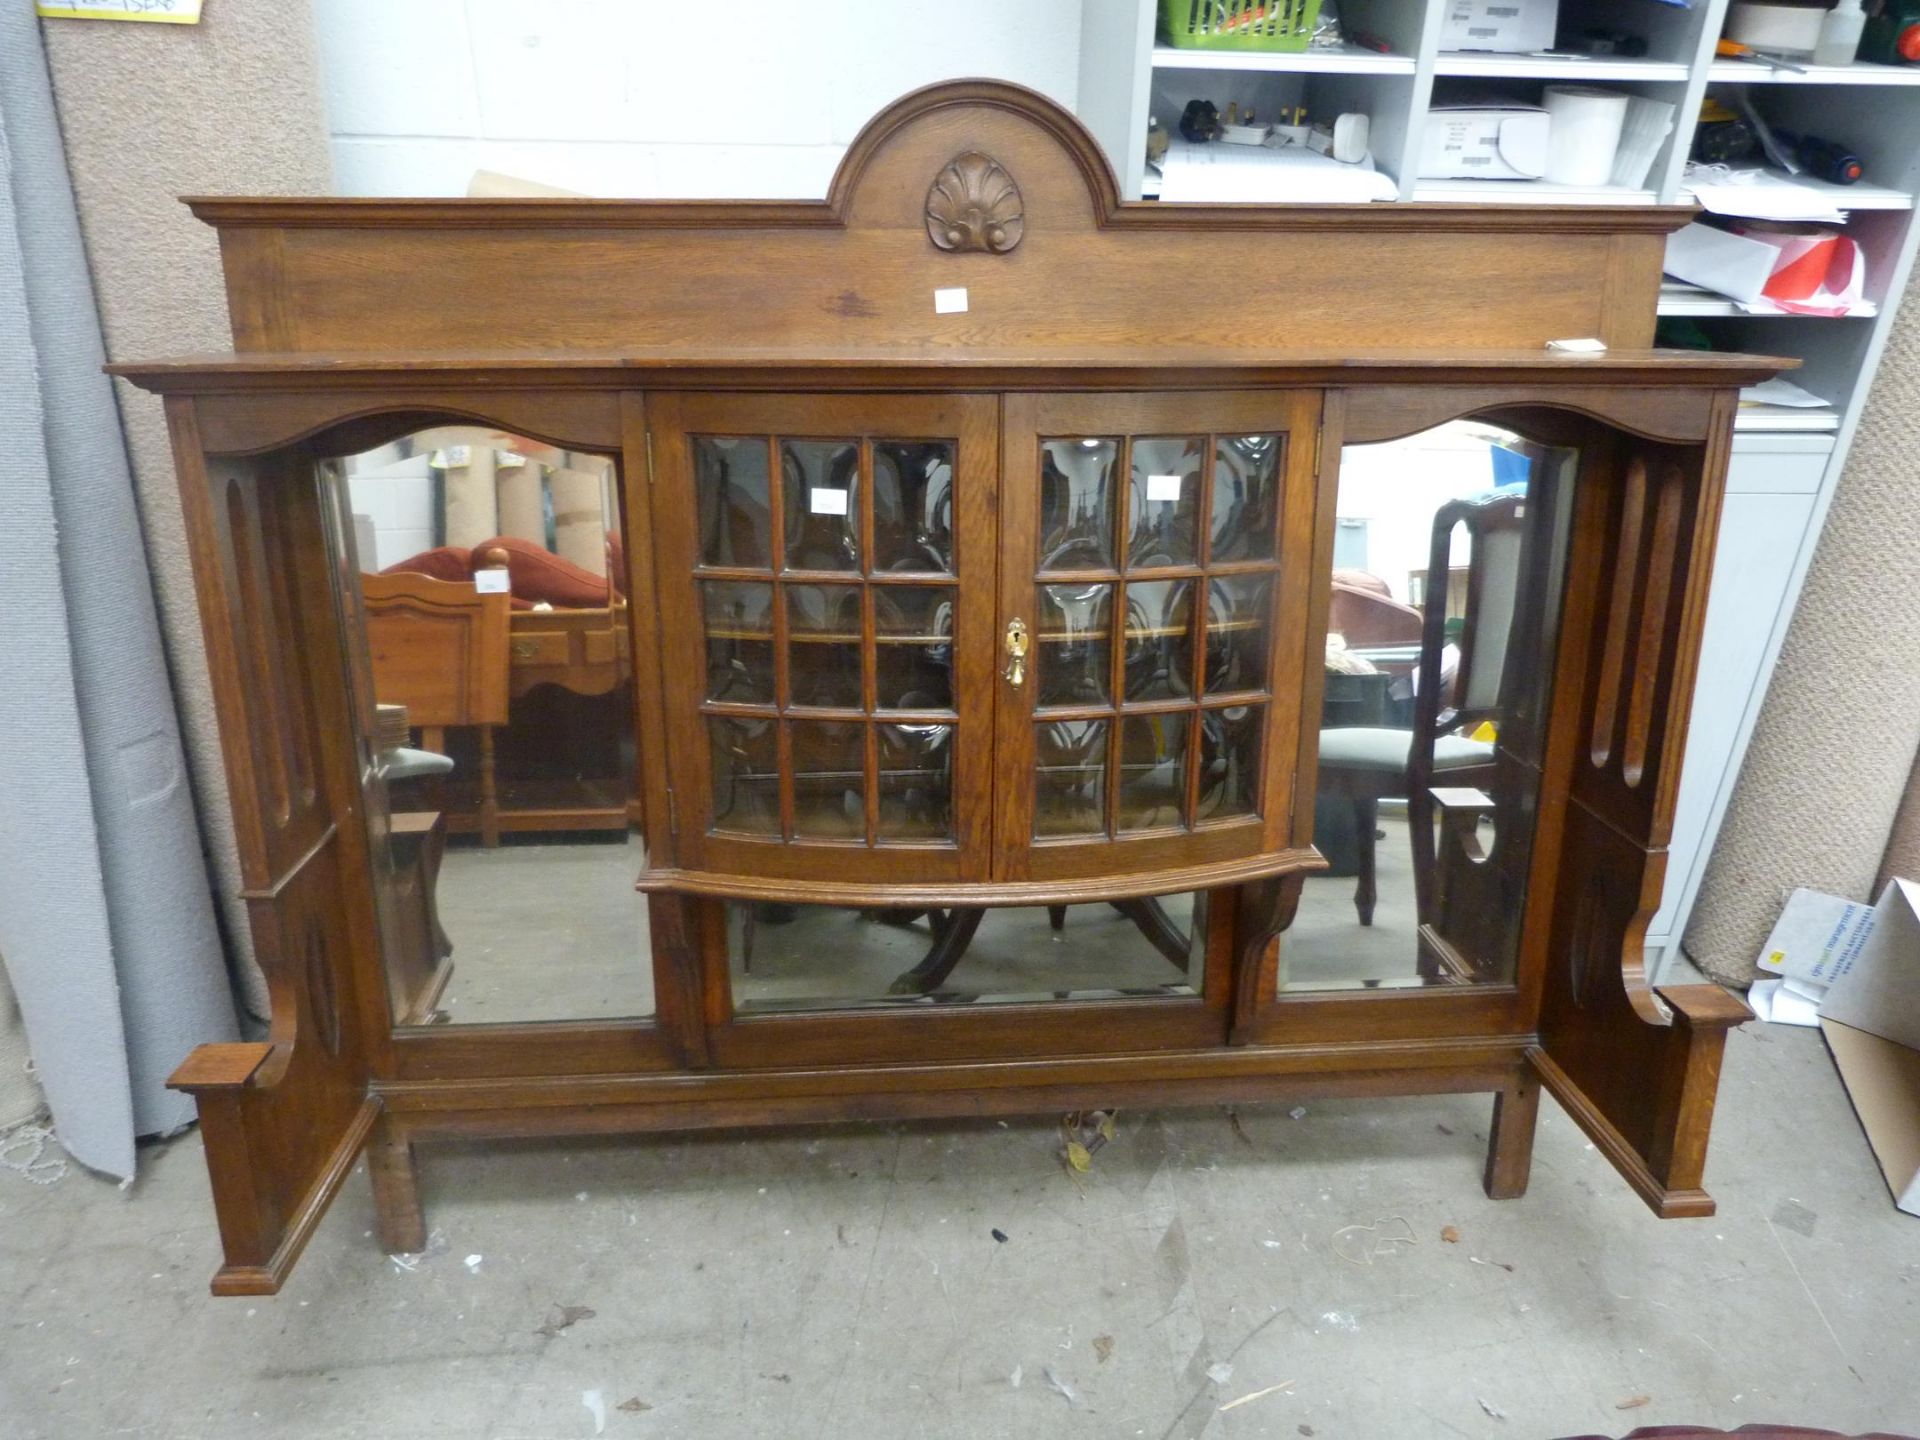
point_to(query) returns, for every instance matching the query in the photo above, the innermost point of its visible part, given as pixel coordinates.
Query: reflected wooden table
(586, 652)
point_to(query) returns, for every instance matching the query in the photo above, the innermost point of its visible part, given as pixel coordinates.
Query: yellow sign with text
(167, 12)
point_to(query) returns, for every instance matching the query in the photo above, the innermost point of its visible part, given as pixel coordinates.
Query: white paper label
(1163, 487)
(950, 302)
(822, 501)
(508, 460)
(492, 582)
(458, 455)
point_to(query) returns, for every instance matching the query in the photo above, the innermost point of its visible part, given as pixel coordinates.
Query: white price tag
(1163, 487)
(950, 302)
(508, 460)
(458, 455)
(823, 501)
(492, 582)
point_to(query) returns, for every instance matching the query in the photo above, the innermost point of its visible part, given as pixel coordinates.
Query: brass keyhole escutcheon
(1016, 671)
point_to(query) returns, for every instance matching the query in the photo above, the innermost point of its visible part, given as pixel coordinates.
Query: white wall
(1397, 486)
(669, 98)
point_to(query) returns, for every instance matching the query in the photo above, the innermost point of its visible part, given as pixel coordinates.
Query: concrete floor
(846, 1282)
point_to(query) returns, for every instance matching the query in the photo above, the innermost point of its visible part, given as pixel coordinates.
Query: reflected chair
(439, 648)
(1367, 764)
(1496, 530)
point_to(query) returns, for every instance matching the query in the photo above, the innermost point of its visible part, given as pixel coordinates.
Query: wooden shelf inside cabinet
(1340, 60)
(962, 794)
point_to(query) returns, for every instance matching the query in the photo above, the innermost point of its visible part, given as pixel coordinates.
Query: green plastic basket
(1271, 25)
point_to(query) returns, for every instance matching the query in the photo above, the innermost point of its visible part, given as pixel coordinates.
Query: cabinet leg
(399, 1221)
(1510, 1145)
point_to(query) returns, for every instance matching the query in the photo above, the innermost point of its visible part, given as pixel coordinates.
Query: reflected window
(1442, 617)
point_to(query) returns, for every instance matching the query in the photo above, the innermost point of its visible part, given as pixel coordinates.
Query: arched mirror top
(333, 422)
(1551, 415)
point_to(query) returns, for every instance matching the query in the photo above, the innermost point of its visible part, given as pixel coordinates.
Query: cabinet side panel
(283, 1128)
(1637, 1070)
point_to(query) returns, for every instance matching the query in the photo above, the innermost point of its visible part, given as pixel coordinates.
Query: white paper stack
(1642, 133)
(1759, 195)
(1264, 174)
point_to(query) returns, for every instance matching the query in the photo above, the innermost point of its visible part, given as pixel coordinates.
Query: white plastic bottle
(1840, 34)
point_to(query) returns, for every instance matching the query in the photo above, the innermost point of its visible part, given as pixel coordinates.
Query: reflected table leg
(952, 933)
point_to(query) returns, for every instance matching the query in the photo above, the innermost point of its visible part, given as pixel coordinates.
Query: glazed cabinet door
(1154, 585)
(826, 608)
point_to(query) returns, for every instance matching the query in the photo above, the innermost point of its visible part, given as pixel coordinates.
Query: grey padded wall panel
(151, 112)
(105, 917)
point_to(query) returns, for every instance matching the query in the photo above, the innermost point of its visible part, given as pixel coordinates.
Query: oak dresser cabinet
(978, 528)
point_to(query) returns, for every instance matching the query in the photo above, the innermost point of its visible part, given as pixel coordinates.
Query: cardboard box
(1485, 142)
(1513, 27)
(1871, 1018)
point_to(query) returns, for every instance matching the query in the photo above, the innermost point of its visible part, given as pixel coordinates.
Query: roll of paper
(1585, 133)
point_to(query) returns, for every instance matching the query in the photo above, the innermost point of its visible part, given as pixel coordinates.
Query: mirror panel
(1444, 605)
(808, 957)
(492, 667)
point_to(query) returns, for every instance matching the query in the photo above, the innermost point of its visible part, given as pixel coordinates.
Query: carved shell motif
(974, 205)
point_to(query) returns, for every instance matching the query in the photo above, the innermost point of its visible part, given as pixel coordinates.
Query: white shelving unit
(1785, 461)
(1752, 72)
(1554, 69)
(1347, 60)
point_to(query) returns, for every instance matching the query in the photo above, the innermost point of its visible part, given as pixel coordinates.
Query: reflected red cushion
(443, 562)
(537, 574)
